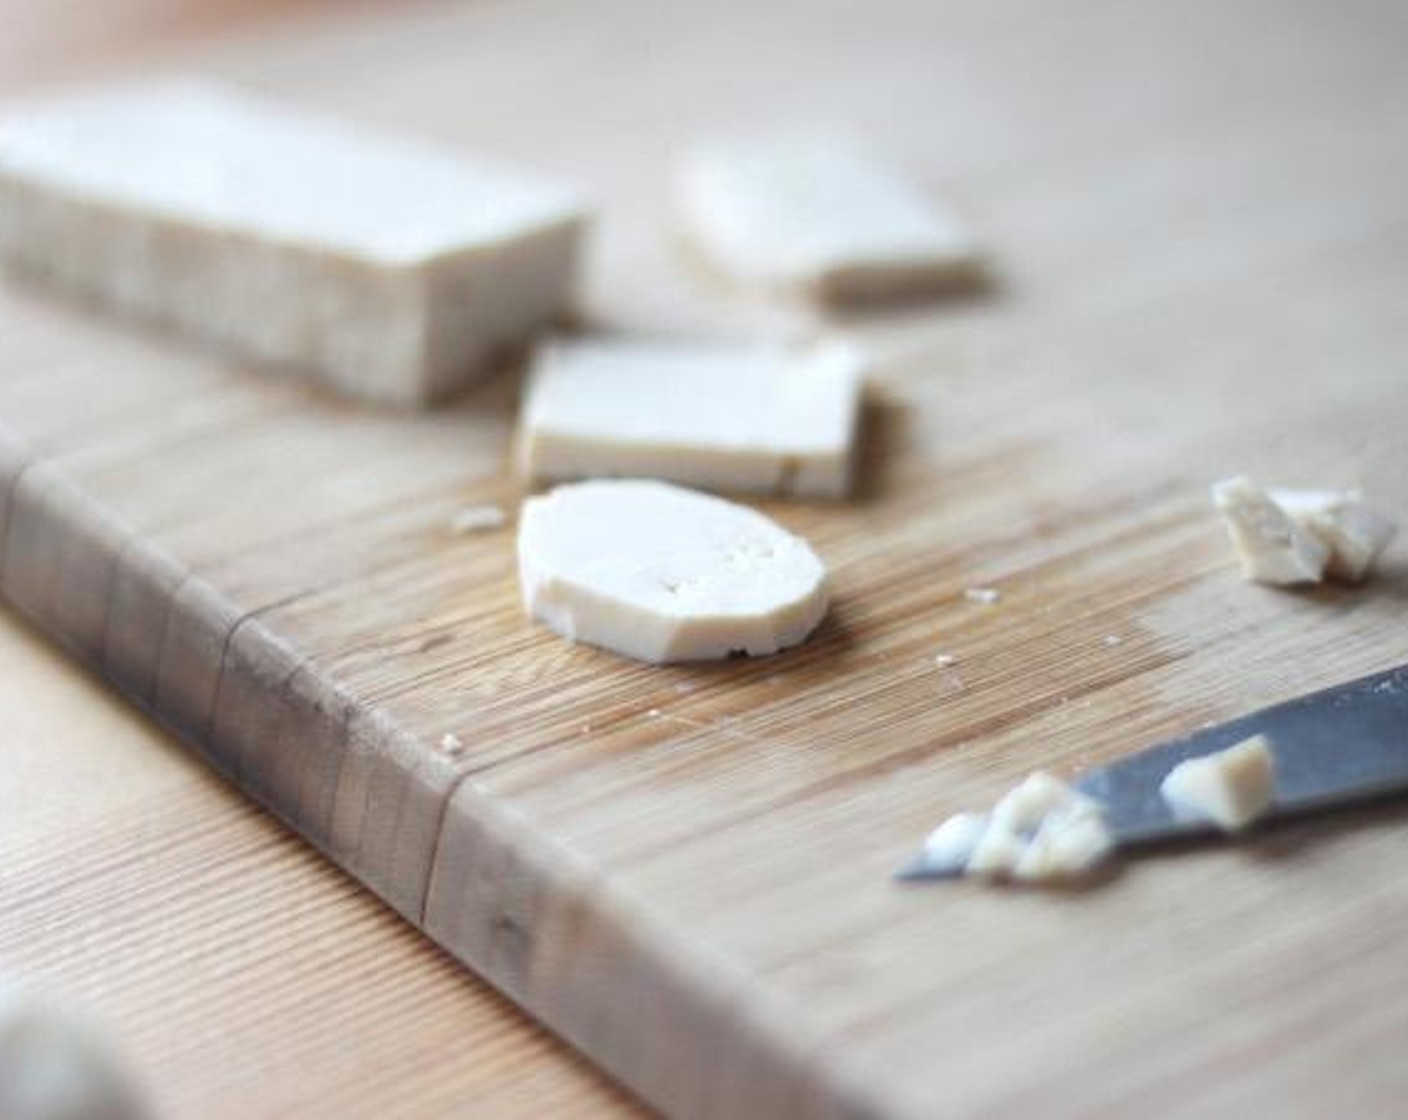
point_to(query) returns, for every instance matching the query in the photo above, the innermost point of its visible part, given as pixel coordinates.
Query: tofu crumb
(1028, 804)
(1343, 522)
(1071, 840)
(1113, 639)
(954, 841)
(1042, 831)
(451, 745)
(1231, 788)
(476, 519)
(1271, 547)
(945, 660)
(984, 595)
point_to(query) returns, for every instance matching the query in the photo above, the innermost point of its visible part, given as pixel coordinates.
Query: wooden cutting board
(214, 949)
(1197, 212)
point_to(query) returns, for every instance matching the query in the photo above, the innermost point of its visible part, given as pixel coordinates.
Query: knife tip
(923, 868)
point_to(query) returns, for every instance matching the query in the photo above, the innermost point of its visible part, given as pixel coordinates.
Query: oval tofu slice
(660, 573)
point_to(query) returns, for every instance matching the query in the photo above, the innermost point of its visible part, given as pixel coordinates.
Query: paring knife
(1338, 747)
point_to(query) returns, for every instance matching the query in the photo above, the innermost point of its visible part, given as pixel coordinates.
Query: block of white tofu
(1271, 546)
(660, 573)
(1230, 788)
(818, 217)
(391, 270)
(1349, 527)
(762, 419)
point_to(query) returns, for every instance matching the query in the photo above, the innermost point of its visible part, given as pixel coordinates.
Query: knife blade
(1337, 747)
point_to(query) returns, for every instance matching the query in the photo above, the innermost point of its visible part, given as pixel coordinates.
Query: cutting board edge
(218, 679)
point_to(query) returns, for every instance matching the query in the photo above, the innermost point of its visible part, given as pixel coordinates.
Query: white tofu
(1271, 547)
(1231, 788)
(1024, 807)
(996, 853)
(953, 843)
(660, 573)
(1354, 532)
(772, 420)
(1042, 831)
(1071, 841)
(819, 218)
(389, 269)
(54, 1066)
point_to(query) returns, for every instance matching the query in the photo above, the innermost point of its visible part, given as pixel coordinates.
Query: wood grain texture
(1198, 216)
(239, 975)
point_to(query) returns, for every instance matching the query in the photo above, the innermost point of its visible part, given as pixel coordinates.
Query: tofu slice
(819, 218)
(660, 573)
(1271, 546)
(1354, 532)
(391, 270)
(1230, 788)
(761, 419)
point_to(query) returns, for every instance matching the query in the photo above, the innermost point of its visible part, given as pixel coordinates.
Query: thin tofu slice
(391, 270)
(1271, 546)
(660, 573)
(1354, 532)
(1231, 788)
(769, 420)
(821, 219)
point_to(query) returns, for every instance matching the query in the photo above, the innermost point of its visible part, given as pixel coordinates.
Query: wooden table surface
(213, 944)
(1198, 216)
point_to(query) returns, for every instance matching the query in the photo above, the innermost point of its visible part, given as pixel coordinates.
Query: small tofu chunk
(1042, 831)
(1070, 842)
(819, 218)
(388, 269)
(771, 420)
(1028, 804)
(1231, 788)
(1271, 546)
(661, 573)
(1353, 531)
(953, 843)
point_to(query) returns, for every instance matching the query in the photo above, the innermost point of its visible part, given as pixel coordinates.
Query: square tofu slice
(762, 419)
(818, 218)
(388, 269)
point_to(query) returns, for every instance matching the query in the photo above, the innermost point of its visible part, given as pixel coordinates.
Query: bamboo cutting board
(1197, 212)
